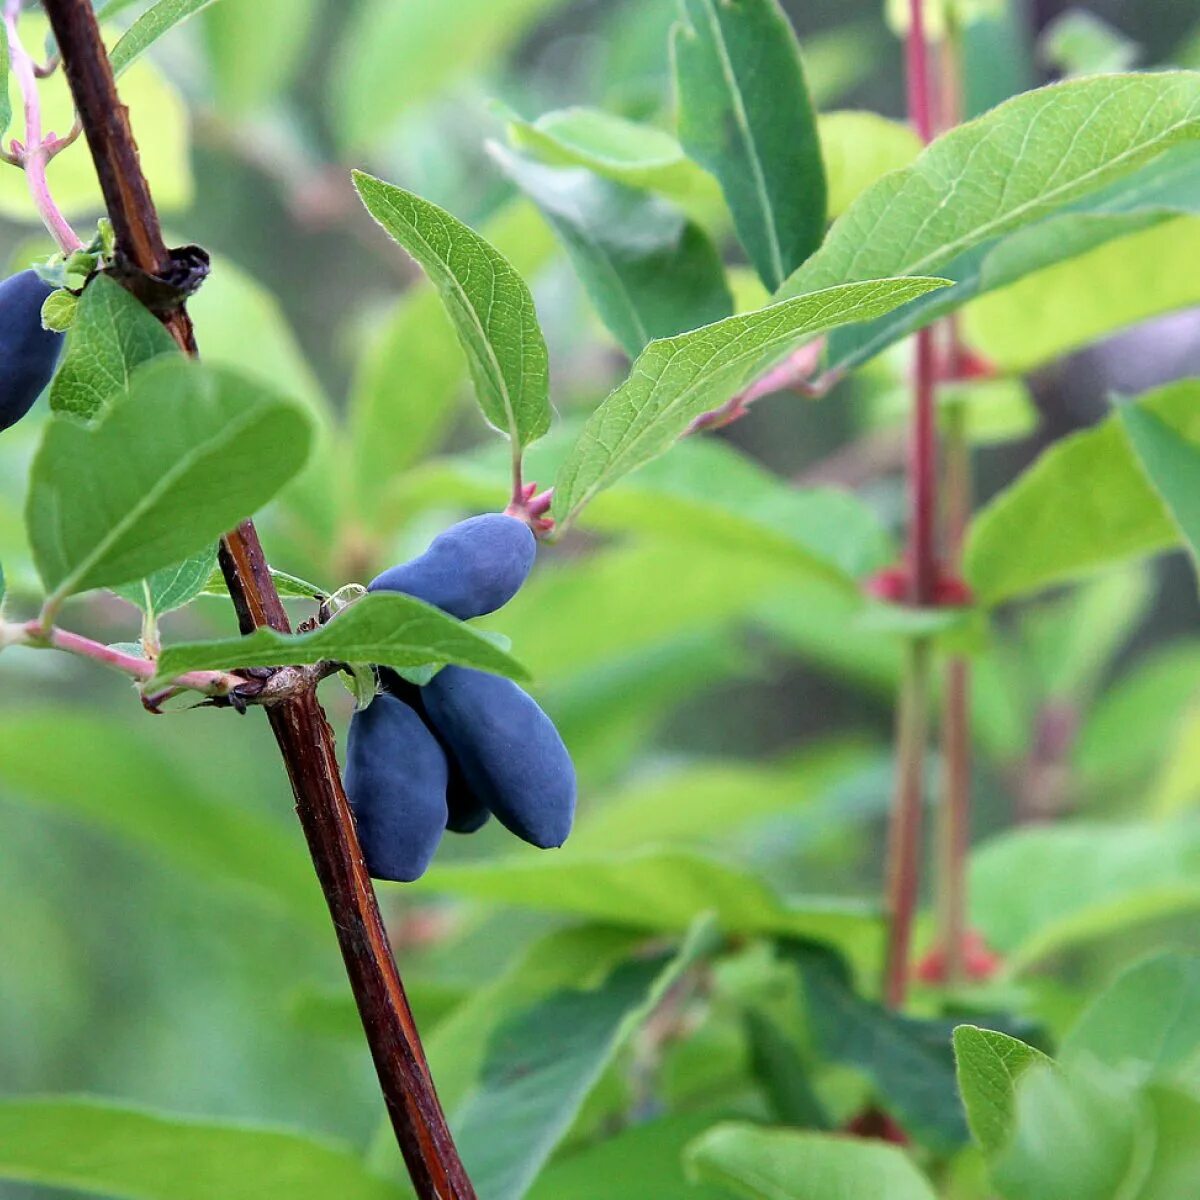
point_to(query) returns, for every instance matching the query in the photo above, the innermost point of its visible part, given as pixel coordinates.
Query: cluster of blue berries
(467, 745)
(28, 353)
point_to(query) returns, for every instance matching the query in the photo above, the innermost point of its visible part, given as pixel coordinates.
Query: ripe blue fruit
(396, 777)
(472, 569)
(28, 353)
(510, 754)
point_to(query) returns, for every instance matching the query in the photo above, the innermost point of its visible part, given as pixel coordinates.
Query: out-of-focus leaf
(5, 100)
(111, 336)
(1055, 523)
(659, 890)
(1079, 882)
(488, 302)
(782, 1164)
(1078, 42)
(160, 18)
(650, 272)
(384, 628)
(745, 115)
(137, 1154)
(394, 56)
(858, 148)
(542, 1064)
(187, 454)
(1172, 465)
(1177, 787)
(101, 771)
(678, 379)
(989, 1064)
(782, 1074)
(910, 1060)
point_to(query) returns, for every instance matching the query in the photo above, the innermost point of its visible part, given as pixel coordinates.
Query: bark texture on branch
(303, 734)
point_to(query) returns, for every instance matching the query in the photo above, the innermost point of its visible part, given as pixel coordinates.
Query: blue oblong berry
(28, 353)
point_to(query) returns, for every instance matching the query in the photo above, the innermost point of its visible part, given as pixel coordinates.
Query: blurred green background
(161, 941)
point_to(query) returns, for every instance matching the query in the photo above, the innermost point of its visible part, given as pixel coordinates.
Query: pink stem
(211, 683)
(919, 106)
(37, 151)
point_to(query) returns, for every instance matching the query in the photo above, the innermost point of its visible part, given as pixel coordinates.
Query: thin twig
(301, 730)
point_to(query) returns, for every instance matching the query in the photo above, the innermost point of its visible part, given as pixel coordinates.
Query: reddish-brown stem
(920, 108)
(305, 739)
(904, 839)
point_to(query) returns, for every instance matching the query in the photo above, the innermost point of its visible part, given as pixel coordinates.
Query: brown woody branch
(305, 739)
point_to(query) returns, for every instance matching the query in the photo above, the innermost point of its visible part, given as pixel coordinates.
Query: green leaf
(1080, 882)
(1054, 524)
(288, 586)
(649, 271)
(1034, 153)
(138, 1154)
(58, 312)
(189, 453)
(745, 115)
(112, 335)
(781, 1164)
(658, 890)
(1146, 1025)
(172, 587)
(989, 1064)
(1080, 43)
(388, 629)
(910, 1060)
(859, 148)
(393, 57)
(137, 790)
(158, 19)
(1173, 467)
(5, 99)
(678, 379)
(488, 302)
(782, 1074)
(542, 1065)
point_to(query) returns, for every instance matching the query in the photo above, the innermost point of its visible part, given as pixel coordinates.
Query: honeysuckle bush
(585, 279)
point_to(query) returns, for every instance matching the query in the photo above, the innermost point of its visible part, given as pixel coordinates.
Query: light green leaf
(393, 57)
(1032, 154)
(909, 1059)
(678, 379)
(1079, 42)
(988, 1065)
(745, 115)
(161, 17)
(658, 890)
(488, 302)
(649, 271)
(1057, 522)
(113, 335)
(58, 312)
(860, 147)
(1146, 1025)
(1173, 467)
(384, 628)
(542, 1064)
(185, 456)
(784, 1164)
(172, 587)
(290, 587)
(1079, 883)
(249, 67)
(137, 791)
(138, 1154)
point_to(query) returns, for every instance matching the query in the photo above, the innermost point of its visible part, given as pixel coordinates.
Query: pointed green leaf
(1172, 464)
(542, 1065)
(388, 629)
(678, 379)
(783, 1164)
(746, 116)
(488, 302)
(1032, 154)
(112, 335)
(649, 271)
(158, 19)
(988, 1065)
(290, 587)
(189, 453)
(137, 1154)
(172, 587)
(1085, 504)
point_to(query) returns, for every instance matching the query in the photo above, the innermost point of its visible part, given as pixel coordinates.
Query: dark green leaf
(388, 629)
(745, 115)
(189, 453)
(783, 1075)
(649, 271)
(112, 335)
(488, 302)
